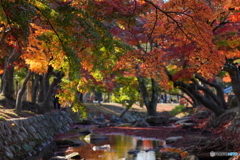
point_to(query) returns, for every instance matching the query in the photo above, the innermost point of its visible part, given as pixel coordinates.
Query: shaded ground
(160, 107)
(7, 110)
(116, 108)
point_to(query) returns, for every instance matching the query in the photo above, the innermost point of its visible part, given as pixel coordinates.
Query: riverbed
(117, 147)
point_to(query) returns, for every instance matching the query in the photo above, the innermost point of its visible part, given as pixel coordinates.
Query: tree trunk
(41, 92)
(35, 88)
(98, 95)
(127, 106)
(209, 94)
(208, 103)
(150, 105)
(219, 90)
(21, 92)
(154, 99)
(46, 103)
(194, 90)
(29, 91)
(181, 95)
(235, 77)
(7, 81)
(1, 83)
(195, 101)
(165, 98)
(16, 88)
(79, 96)
(46, 82)
(124, 111)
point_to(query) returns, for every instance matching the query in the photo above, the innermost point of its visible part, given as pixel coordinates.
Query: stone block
(173, 139)
(33, 131)
(156, 120)
(8, 153)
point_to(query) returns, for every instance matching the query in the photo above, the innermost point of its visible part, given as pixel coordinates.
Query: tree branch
(219, 89)
(167, 14)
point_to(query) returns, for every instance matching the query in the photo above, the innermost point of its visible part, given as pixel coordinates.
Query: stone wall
(24, 137)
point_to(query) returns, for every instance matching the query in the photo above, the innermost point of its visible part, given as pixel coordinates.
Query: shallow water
(116, 148)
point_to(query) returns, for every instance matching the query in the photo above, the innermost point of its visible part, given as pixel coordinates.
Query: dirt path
(160, 107)
(166, 106)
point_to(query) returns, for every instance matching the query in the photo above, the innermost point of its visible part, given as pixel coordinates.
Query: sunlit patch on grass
(2, 118)
(10, 113)
(27, 113)
(2, 97)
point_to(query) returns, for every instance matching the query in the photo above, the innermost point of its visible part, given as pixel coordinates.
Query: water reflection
(116, 148)
(143, 155)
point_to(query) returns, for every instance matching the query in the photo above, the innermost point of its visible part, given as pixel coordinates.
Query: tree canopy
(177, 43)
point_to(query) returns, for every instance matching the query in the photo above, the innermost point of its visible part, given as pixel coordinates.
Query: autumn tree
(199, 67)
(10, 42)
(59, 38)
(173, 44)
(185, 42)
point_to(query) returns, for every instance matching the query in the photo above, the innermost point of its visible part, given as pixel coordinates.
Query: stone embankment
(23, 137)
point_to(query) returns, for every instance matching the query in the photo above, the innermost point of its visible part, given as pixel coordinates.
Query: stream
(115, 148)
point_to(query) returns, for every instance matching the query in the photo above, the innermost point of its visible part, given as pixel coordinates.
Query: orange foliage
(149, 64)
(227, 78)
(186, 33)
(36, 55)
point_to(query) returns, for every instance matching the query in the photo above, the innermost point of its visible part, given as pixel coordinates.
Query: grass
(10, 113)
(100, 108)
(1, 97)
(7, 110)
(178, 109)
(2, 118)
